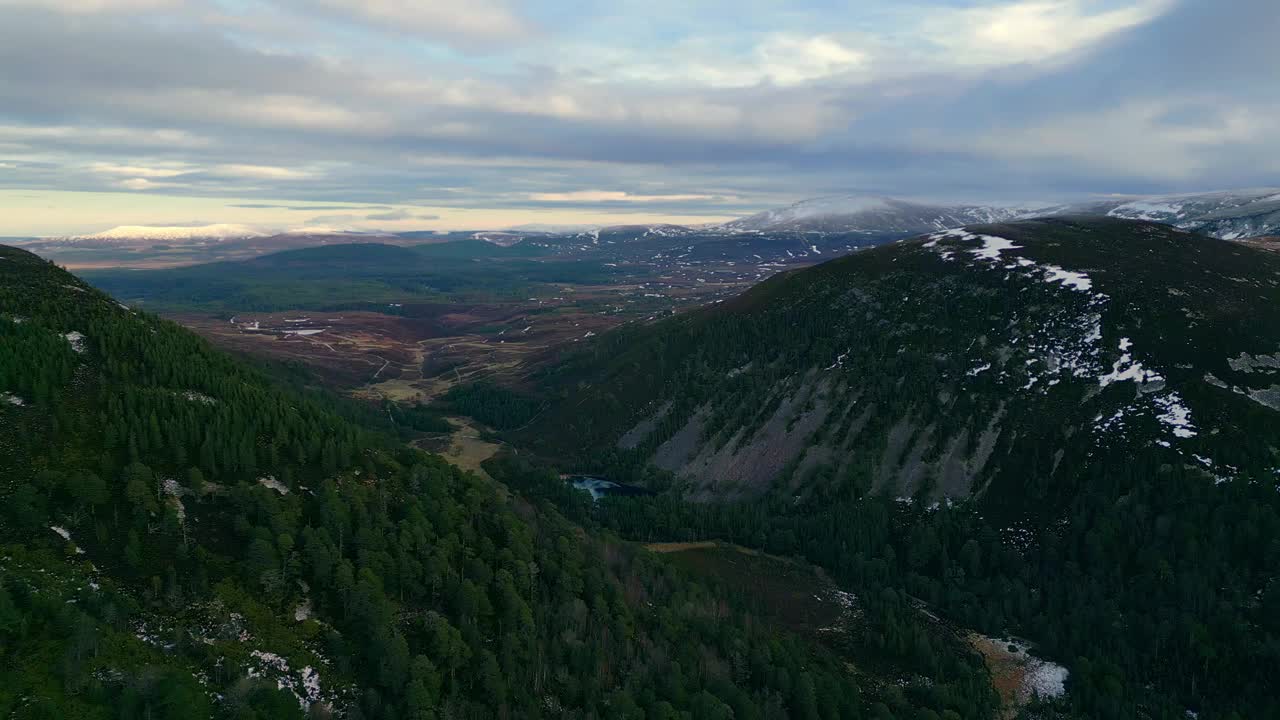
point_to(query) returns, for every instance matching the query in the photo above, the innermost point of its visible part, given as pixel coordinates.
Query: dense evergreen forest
(181, 537)
(1157, 590)
(1137, 545)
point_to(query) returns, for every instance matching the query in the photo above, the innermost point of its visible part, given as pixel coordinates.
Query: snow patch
(173, 492)
(1070, 278)
(1126, 369)
(991, 248)
(193, 396)
(978, 370)
(1038, 678)
(1176, 415)
(66, 535)
(76, 339)
(270, 481)
(305, 688)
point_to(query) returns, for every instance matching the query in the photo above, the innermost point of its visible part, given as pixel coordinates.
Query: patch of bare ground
(1017, 676)
(468, 449)
(345, 350)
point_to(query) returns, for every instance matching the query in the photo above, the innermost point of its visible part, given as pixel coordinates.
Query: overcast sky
(418, 114)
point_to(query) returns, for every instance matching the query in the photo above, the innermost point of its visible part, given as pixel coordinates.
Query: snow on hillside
(822, 207)
(1228, 215)
(810, 209)
(871, 215)
(1166, 208)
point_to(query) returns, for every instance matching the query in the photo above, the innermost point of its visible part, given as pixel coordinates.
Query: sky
(419, 114)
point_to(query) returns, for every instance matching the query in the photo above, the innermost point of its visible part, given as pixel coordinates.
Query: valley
(772, 449)
(586, 360)
(199, 523)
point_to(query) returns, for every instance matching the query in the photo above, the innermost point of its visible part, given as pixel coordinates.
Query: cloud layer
(439, 112)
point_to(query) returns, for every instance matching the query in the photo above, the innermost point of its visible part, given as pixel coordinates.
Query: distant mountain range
(200, 234)
(150, 246)
(804, 232)
(870, 219)
(1228, 215)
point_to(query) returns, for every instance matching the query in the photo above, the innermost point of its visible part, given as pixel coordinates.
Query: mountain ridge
(1230, 215)
(1064, 428)
(1083, 346)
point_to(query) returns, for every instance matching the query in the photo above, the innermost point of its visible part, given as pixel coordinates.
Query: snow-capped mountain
(176, 233)
(1228, 215)
(870, 215)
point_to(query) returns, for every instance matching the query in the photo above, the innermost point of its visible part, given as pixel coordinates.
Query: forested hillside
(1065, 428)
(182, 538)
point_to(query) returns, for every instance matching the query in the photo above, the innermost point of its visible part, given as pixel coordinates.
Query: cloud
(306, 208)
(95, 6)
(141, 183)
(791, 59)
(401, 215)
(1033, 30)
(354, 220)
(600, 196)
(106, 136)
(139, 171)
(561, 107)
(1137, 139)
(461, 24)
(263, 172)
(781, 58)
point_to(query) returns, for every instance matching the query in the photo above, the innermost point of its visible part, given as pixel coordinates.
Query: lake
(599, 487)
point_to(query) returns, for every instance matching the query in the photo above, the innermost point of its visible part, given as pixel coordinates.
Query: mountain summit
(870, 215)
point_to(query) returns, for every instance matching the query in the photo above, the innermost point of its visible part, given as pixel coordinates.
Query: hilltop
(1086, 408)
